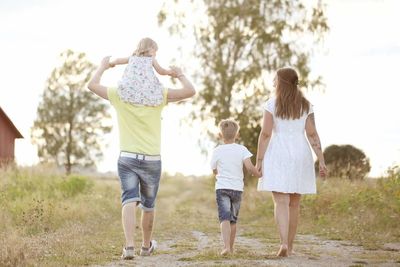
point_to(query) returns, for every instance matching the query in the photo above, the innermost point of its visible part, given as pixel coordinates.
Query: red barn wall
(7, 137)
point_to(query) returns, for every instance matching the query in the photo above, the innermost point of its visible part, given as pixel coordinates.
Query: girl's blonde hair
(144, 47)
(290, 102)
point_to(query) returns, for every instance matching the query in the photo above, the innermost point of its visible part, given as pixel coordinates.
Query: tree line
(237, 44)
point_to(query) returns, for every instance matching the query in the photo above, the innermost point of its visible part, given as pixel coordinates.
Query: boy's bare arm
(119, 61)
(251, 168)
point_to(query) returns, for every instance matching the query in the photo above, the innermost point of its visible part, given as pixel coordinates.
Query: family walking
(284, 161)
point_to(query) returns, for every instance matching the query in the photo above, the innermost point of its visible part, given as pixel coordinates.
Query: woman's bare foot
(225, 252)
(283, 251)
(291, 252)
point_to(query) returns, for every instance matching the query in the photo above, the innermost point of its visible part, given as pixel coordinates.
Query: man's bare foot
(225, 252)
(283, 251)
(291, 252)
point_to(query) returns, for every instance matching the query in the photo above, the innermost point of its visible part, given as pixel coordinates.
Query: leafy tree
(237, 45)
(71, 120)
(346, 161)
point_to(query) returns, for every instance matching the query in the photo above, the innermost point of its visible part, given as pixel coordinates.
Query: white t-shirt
(228, 160)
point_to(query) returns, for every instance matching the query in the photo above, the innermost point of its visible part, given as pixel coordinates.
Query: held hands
(105, 63)
(175, 72)
(259, 168)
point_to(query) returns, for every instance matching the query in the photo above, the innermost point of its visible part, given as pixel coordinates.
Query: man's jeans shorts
(228, 202)
(139, 181)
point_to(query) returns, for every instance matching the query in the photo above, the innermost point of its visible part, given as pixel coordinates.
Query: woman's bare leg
(294, 211)
(281, 212)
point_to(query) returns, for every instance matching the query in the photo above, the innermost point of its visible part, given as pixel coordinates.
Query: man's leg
(130, 197)
(128, 222)
(147, 227)
(150, 174)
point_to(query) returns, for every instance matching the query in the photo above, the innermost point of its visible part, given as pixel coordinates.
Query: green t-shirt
(139, 126)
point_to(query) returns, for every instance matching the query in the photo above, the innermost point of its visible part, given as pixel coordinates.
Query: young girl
(139, 84)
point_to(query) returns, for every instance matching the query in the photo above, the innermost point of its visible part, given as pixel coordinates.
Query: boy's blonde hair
(229, 129)
(144, 47)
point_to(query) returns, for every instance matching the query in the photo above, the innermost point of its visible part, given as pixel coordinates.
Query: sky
(358, 61)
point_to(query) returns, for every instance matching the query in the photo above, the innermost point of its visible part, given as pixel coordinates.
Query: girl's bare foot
(225, 252)
(283, 251)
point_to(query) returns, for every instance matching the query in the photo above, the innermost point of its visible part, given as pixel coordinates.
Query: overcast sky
(359, 64)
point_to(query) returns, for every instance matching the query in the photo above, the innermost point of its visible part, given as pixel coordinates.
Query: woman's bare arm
(264, 138)
(313, 139)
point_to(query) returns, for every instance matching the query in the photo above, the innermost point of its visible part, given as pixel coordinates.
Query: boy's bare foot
(283, 251)
(225, 252)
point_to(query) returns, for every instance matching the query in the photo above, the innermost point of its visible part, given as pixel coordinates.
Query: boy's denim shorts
(139, 181)
(228, 202)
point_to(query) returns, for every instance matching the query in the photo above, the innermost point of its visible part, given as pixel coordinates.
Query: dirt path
(311, 251)
(188, 235)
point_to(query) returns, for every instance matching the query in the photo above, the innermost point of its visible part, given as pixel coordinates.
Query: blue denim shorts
(139, 181)
(228, 202)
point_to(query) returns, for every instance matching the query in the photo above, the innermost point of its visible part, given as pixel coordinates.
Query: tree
(346, 161)
(237, 45)
(71, 120)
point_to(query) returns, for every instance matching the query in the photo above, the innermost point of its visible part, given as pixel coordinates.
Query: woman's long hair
(290, 102)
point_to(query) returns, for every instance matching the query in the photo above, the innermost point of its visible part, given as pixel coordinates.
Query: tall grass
(45, 215)
(47, 219)
(365, 212)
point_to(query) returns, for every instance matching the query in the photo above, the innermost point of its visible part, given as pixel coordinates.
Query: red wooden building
(8, 134)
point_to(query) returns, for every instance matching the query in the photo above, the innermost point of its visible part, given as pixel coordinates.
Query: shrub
(74, 185)
(346, 161)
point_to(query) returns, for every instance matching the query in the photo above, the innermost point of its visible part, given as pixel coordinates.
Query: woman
(284, 156)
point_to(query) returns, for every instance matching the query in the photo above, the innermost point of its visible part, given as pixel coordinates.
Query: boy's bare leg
(147, 227)
(226, 236)
(128, 222)
(233, 236)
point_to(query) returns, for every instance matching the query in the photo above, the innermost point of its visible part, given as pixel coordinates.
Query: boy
(227, 164)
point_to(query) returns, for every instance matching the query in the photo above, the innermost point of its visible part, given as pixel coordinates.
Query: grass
(50, 220)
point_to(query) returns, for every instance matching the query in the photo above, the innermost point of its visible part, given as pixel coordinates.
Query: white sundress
(139, 84)
(288, 165)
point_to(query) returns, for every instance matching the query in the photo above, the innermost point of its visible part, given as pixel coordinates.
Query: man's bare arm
(94, 84)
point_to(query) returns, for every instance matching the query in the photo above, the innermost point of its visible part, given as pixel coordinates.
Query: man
(139, 164)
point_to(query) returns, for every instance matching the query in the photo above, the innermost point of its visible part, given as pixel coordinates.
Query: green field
(47, 219)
